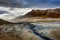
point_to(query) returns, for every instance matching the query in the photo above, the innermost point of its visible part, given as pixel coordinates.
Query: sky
(29, 4)
(39, 3)
(36, 3)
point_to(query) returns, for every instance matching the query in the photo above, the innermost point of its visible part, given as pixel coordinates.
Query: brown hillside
(50, 13)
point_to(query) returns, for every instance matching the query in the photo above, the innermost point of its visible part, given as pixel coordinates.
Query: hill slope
(50, 13)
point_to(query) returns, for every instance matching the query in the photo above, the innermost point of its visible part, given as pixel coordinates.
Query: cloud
(37, 3)
(41, 3)
(11, 14)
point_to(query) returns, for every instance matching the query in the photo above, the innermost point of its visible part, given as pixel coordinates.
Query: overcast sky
(40, 3)
(36, 3)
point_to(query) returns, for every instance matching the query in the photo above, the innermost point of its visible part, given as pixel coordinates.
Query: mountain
(49, 13)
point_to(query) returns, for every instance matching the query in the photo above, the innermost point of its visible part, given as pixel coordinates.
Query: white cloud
(13, 13)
